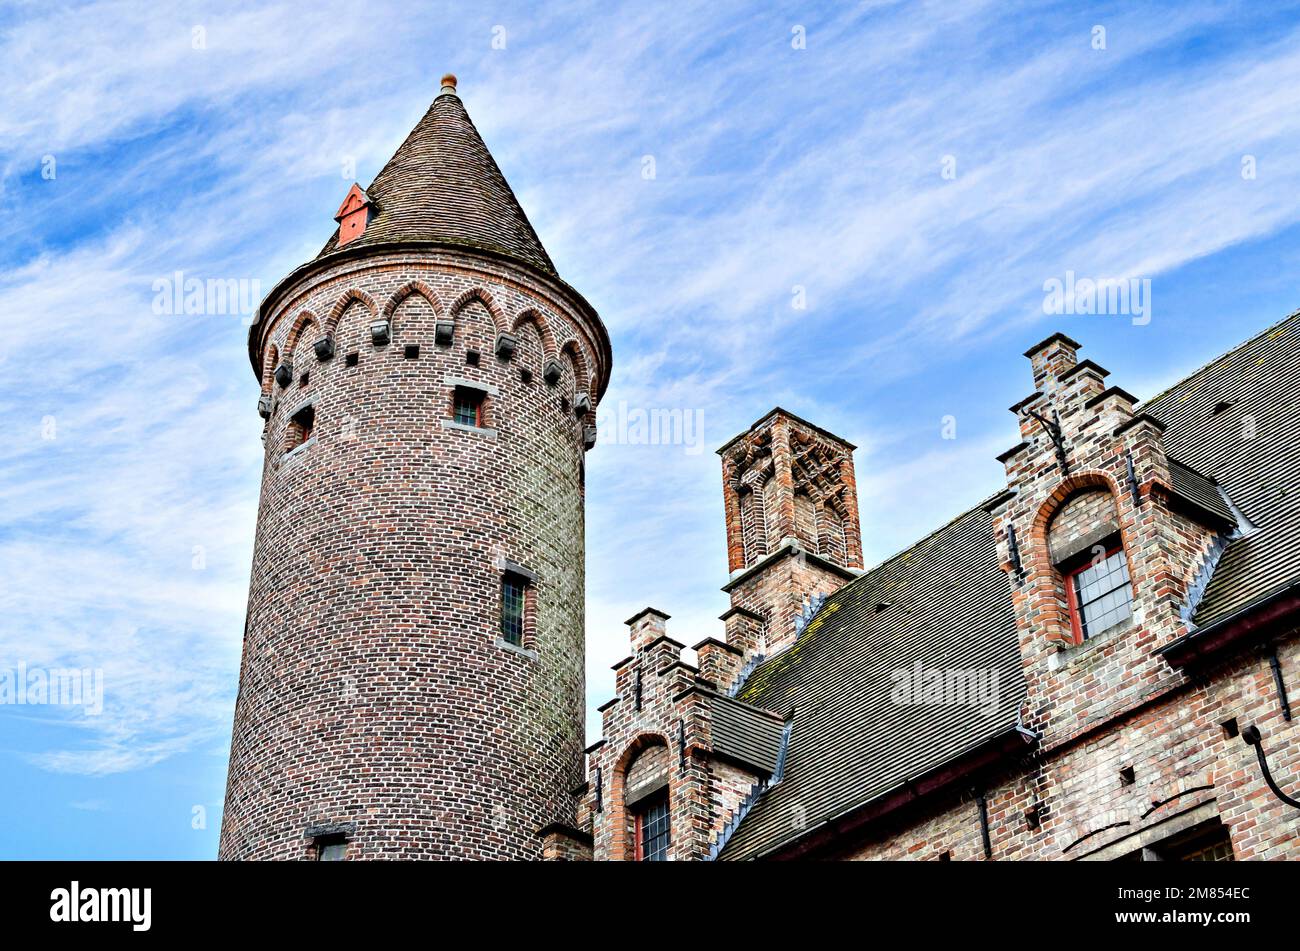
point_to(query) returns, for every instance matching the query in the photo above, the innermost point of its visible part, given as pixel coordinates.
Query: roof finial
(448, 85)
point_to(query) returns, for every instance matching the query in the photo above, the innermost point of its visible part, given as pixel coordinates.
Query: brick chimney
(793, 534)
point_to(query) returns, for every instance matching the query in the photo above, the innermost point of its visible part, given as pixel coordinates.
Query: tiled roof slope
(950, 607)
(746, 735)
(1261, 474)
(443, 185)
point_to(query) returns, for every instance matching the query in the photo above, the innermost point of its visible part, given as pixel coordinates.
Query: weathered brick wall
(566, 846)
(373, 689)
(1074, 686)
(732, 784)
(1083, 519)
(779, 593)
(660, 719)
(1184, 762)
(1130, 747)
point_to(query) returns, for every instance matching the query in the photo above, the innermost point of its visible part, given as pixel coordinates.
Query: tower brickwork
(412, 676)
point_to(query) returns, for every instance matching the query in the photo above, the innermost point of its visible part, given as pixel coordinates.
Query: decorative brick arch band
(581, 373)
(305, 320)
(485, 298)
(268, 367)
(1044, 581)
(348, 296)
(543, 326)
(621, 845)
(412, 288)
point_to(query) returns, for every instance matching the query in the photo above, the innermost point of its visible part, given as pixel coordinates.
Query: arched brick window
(1087, 552)
(645, 797)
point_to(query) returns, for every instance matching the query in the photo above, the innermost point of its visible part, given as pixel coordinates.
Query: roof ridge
(1220, 358)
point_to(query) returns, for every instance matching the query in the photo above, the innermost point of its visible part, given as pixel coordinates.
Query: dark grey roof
(746, 734)
(950, 607)
(1201, 492)
(1211, 415)
(443, 185)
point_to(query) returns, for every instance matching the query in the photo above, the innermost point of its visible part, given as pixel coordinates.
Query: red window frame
(639, 815)
(1072, 596)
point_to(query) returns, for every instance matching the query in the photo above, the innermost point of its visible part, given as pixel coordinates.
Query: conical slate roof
(443, 185)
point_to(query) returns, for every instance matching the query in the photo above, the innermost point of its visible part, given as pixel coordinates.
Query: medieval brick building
(1092, 663)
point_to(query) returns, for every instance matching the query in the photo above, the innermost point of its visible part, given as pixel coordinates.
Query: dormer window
(1099, 593)
(652, 828)
(353, 215)
(647, 806)
(1092, 578)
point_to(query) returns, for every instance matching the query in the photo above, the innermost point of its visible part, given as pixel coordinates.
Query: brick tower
(412, 675)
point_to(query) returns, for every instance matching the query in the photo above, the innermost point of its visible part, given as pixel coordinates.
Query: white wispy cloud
(774, 167)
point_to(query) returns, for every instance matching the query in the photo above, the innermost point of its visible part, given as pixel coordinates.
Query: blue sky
(129, 475)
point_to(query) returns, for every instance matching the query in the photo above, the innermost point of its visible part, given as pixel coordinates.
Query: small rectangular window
(1207, 842)
(514, 600)
(331, 848)
(301, 425)
(467, 406)
(1100, 595)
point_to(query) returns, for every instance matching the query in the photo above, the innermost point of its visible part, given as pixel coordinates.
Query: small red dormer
(353, 215)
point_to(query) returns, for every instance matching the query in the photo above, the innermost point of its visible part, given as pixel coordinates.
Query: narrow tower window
(331, 848)
(1099, 593)
(301, 426)
(514, 602)
(467, 407)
